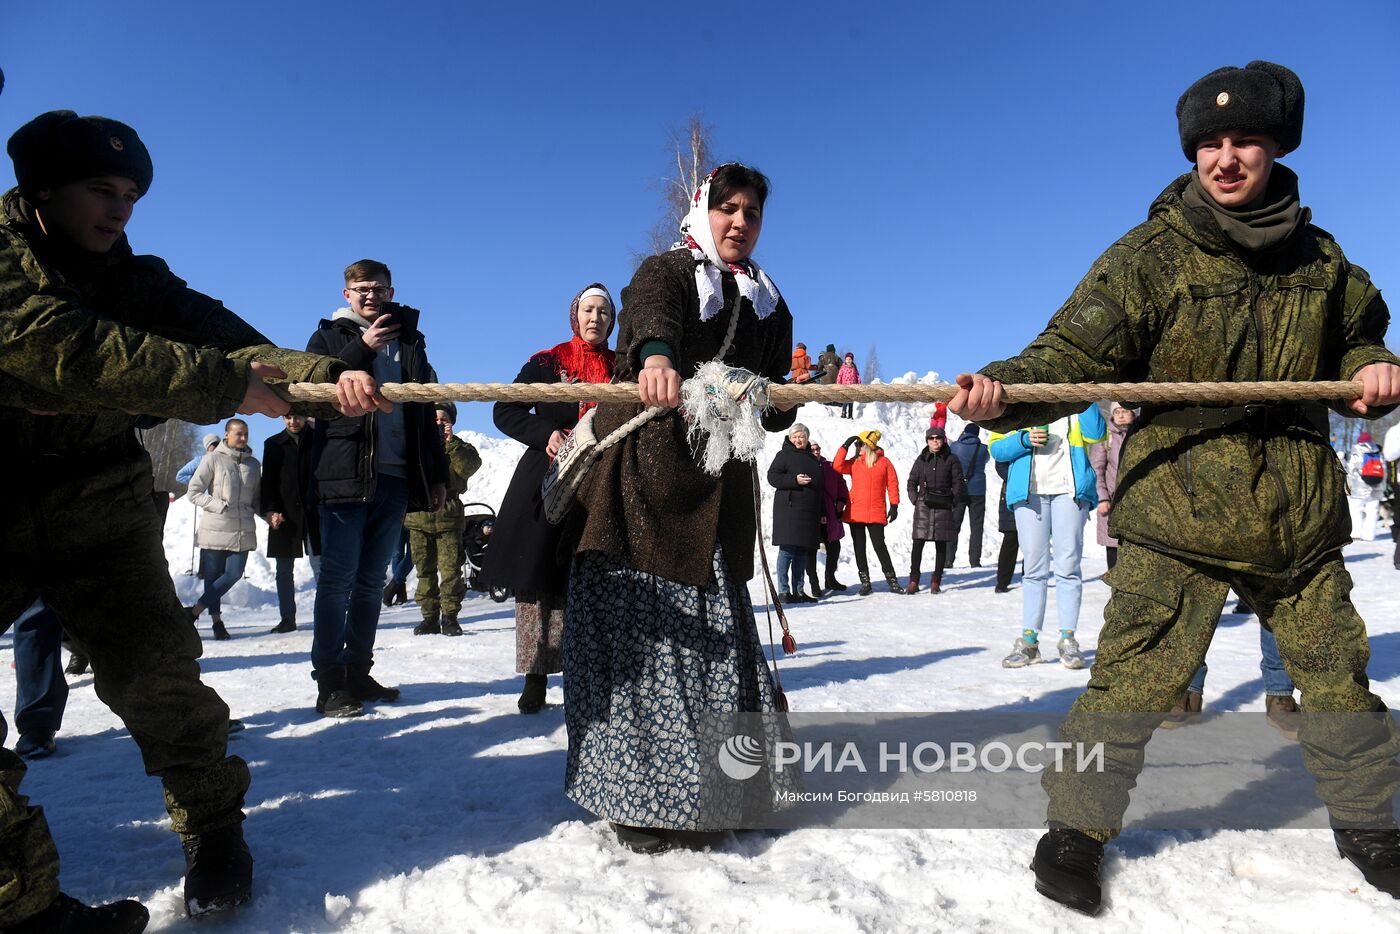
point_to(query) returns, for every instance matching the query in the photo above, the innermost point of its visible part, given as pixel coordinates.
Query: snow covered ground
(444, 812)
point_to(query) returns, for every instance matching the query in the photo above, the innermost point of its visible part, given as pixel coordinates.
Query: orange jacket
(869, 486)
(801, 366)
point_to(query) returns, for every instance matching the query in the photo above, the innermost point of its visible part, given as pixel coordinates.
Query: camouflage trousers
(438, 558)
(1157, 627)
(90, 545)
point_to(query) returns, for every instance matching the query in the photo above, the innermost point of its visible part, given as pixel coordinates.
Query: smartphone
(390, 317)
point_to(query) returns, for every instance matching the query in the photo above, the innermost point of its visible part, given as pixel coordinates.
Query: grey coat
(225, 485)
(1104, 459)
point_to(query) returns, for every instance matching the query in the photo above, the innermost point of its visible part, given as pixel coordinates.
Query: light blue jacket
(1014, 450)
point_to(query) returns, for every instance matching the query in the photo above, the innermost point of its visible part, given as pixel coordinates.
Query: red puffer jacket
(870, 484)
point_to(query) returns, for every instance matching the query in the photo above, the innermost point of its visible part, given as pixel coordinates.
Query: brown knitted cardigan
(646, 500)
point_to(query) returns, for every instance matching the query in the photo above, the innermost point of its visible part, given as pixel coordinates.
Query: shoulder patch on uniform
(1097, 318)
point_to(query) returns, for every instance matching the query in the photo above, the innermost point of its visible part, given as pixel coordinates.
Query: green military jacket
(1176, 300)
(101, 339)
(462, 461)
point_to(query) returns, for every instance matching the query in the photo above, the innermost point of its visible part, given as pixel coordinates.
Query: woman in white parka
(225, 486)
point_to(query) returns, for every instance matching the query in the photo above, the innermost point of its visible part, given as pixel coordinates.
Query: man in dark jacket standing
(1214, 498)
(368, 473)
(293, 523)
(972, 454)
(92, 332)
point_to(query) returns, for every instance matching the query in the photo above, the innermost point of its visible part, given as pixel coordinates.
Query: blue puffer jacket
(972, 454)
(1014, 448)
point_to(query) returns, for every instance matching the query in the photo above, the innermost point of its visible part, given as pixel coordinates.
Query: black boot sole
(1392, 888)
(1084, 905)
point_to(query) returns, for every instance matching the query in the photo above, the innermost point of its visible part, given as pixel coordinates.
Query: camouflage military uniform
(435, 539)
(1207, 500)
(94, 337)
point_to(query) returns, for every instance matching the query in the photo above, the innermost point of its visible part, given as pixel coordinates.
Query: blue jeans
(403, 561)
(357, 541)
(1276, 680)
(1039, 521)
(41, 692)
(220, 570)
(792, 564)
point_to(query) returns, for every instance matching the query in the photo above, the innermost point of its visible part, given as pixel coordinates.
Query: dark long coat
(936, 473)
(286, 488)
(521, 553)
(797, 509)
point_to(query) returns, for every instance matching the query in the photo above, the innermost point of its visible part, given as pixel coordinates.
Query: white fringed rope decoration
(1082, 393)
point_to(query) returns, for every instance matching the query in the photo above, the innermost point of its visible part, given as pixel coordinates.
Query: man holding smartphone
(367, 472)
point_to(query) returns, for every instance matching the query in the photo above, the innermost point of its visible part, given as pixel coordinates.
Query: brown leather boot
(1184, 711)
(913, 583)
(1283, 714)
(935, 585)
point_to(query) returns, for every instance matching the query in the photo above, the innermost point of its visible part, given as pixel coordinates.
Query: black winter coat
(342, 459)
(797, 509)
(523, 545)
(937, 475)
(286, 488)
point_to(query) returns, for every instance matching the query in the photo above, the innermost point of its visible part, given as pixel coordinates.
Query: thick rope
(1082, 393)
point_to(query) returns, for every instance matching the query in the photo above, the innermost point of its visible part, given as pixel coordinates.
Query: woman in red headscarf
(522, 553)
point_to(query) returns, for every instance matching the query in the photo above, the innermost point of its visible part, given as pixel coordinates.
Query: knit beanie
(936, 433)
(60, 147)
(1261, 97)
(207, 440)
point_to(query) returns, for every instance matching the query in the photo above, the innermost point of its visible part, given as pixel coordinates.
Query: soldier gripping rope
(92, 332)
(1221, 496)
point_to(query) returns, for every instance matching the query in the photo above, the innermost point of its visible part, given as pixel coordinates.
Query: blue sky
(942, 174)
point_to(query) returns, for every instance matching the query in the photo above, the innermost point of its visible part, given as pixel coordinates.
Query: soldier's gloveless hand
(260, 399)
(978, 398)
(1380, 385)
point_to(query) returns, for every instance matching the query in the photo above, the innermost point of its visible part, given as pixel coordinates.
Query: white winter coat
(225, 486)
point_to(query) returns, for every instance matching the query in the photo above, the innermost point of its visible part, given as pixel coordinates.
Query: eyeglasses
(376, 290)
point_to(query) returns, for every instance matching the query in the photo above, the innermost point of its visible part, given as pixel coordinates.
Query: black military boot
(67, 915)
(332, 697)
(834, 585)
(429, 627)
(893, 582)
(1376, 853)
(286, 625)
(218, 871)
(865, 588)
(220, 632)
(532, 697)
(450, 626)
(1066, 868)
(364, 688)
(77, 664)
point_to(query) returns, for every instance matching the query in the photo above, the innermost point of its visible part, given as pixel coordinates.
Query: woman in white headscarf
(659, 631)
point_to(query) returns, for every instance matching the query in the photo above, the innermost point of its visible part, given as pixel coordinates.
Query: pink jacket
(848, 375)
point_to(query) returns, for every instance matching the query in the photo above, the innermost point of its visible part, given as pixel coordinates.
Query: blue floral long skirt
(650, 668)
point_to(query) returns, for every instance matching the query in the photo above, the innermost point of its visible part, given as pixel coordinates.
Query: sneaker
(1284, 715)
(364, 688)
(1066, 868)
(30, 746)
(532, 697)
(450, 626)
(1376, 853)
(68, 914)
(429, 627)
(1070, 656)
(218, 871)
(1185, 711)
(1023, 653)
(286, 625)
